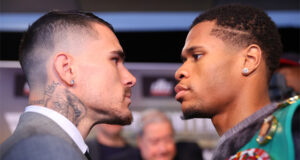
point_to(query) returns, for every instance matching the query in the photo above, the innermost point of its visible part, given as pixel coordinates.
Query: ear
(253, 57)
(64, 68)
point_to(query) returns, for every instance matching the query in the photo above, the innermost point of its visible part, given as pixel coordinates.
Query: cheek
(93, 82)
(171, 146)
(211, 82)
(149, 151)
(204, 80)
(102, 78)
(212, 77)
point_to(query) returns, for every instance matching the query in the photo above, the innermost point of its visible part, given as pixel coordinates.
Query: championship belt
(274, 140)
(251, 154)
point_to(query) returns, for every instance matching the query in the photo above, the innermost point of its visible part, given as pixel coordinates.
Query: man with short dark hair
(74, 66)
(229, 56)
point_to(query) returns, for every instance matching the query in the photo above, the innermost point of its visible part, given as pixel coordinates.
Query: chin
(193, 111)
(165, 158)
(124, 119)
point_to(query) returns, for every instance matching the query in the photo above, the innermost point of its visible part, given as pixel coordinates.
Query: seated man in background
(108, 142)
(156, 139)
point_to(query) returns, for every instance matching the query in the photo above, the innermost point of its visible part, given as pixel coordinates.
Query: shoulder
(188, 150)
(276, 131)
(42, 147)
(94, 148)
(279, 123)
(92, 143)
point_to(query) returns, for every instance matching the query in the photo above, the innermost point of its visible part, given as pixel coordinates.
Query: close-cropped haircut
(49, 30)
(242, 26)
(149, 117)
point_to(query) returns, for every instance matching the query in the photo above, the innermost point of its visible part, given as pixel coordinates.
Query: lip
(127, 93)
(128, 96)
(180, 91)
(128, 99)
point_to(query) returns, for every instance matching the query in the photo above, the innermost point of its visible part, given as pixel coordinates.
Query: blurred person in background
(156, 141)
(285, 81)
(73, 63)
(229, 56)
(108, 142)
(155, 137)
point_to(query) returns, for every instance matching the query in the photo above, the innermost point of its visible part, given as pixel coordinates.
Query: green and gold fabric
(274, 140)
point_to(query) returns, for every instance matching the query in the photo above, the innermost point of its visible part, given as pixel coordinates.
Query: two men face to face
(207, 73)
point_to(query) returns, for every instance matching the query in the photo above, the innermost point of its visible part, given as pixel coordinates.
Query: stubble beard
(121, 120)
(115, 115)
(195, 111)
(120, 116)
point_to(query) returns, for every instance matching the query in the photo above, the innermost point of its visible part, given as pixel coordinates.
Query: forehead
(200, 37)
(200, 32)
(202, 28)
(106, 35)
(94, 49)
(159, 128)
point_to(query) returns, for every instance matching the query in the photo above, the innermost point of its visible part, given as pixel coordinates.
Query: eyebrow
(120, 53)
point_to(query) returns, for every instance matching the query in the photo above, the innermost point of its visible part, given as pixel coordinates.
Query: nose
(128, 79)
(163, 148)
(181, 73)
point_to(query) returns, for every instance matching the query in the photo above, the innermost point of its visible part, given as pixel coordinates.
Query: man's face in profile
(208, 77)
(105, 83)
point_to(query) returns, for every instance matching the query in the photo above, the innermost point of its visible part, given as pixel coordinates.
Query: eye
(197, 56)
(116, 59)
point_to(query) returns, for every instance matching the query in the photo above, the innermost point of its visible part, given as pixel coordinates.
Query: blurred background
(152, 34)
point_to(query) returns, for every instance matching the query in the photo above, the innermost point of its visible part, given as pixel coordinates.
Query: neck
(58, 98)
(246, 103)
(110, 140)
(85, 126)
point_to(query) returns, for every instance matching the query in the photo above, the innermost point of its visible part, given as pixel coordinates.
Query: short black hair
(243, 25)
(39, 37)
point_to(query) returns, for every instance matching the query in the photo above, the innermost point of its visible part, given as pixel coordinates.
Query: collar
(63, 122)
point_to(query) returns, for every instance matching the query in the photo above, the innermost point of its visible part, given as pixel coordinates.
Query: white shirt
(63, 122)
